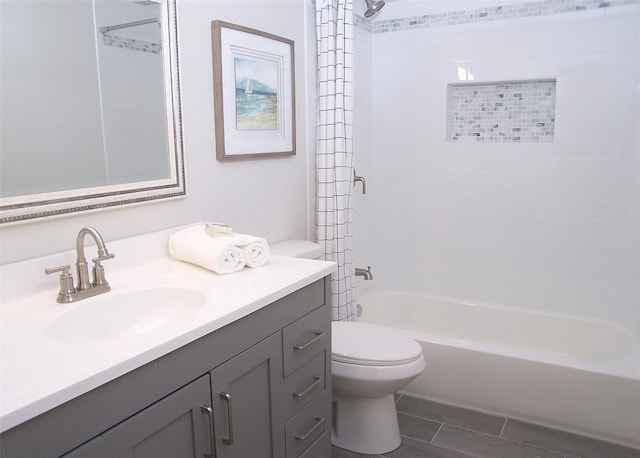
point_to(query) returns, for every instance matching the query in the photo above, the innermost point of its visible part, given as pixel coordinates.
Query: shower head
(373, 7)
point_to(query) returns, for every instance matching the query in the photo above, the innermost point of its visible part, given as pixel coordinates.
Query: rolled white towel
(256, 249)
(194, 245)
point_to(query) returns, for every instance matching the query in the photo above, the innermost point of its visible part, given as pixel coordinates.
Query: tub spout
(365, 273)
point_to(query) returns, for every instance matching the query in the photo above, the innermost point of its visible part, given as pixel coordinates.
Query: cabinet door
(92, 449)
(247, 403)
(174, 427)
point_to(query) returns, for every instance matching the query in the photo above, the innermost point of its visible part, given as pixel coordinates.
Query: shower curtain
(334, 149)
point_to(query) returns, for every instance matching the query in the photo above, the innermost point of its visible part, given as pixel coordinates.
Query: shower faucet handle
(357, 178)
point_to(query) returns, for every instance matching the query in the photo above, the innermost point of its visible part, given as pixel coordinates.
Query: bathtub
(575, 373)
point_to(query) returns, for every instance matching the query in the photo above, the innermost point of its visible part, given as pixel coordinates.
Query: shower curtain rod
(126, 25)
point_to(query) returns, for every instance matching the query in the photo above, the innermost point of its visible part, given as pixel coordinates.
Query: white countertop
(39, 371)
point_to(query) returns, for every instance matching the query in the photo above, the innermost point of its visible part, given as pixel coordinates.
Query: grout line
(436, 434)
(504, 425)
(422, 441)
(513, 441)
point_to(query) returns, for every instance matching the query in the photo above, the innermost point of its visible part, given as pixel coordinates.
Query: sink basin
(118, 314)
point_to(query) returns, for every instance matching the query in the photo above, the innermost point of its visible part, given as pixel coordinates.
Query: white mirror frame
(55, 204)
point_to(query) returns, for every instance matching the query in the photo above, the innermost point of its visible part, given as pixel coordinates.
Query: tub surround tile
(132, 44)
(571, 444)
(509, 111)
(450, 415)
(493, 13)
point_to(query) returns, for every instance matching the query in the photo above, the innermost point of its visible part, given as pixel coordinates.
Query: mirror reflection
(88, 97)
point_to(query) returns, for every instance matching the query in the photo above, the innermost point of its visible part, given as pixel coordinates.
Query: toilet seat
(367, 344)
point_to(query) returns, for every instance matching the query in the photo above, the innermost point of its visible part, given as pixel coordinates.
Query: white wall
(268, 197)
(550, 226)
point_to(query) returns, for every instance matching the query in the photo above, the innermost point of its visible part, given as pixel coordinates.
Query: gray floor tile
(411, 448)
(417, 428)
(337, 452)
(484, 445)
(569, 443)
(455, 416)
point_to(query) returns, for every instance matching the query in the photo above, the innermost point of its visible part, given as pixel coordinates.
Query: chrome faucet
(84, 288)
(365, 273)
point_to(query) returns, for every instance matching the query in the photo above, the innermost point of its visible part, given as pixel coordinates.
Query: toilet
(369, 363)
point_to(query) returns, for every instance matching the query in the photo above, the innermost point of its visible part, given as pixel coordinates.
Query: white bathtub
(575, 373)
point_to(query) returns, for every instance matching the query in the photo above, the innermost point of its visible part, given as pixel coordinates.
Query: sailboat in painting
(256, 105)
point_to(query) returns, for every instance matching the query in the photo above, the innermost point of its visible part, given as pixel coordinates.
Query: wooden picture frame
(254, 93)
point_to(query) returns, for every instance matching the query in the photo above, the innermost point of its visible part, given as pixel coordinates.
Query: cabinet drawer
(305, 384)
(321, 447)
(309, 424)
(305, 338)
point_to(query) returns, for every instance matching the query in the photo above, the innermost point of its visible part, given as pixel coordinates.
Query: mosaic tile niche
(506, 111)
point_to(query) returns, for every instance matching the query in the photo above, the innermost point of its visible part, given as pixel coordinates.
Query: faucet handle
(66, 282)
(98, 271)
(103, 258)
(64, 269)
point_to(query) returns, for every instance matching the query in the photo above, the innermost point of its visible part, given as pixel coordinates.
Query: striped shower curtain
(334, 149)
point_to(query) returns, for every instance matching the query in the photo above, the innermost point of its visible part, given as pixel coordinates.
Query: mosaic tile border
(505, 111)
(133, 44)
(495, 13)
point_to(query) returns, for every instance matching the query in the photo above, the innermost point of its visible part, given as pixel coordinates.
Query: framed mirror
(90, 106)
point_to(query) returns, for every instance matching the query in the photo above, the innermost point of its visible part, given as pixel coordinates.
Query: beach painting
(256, 81)
(253, 93)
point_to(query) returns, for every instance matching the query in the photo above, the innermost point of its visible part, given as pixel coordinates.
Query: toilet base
(365, 425)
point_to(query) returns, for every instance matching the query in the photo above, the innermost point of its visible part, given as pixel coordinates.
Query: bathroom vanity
(245, 374)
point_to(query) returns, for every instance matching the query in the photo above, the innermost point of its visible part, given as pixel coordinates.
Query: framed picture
(253, 85)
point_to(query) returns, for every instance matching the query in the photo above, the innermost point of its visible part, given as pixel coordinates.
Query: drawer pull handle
(212, 443)
(319, 421)
(318, 336)
(317, 380)
(229, 439)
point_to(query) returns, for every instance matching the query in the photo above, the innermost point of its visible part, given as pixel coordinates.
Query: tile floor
(436, 430)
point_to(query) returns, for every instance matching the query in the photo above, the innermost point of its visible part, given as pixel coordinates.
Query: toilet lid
(371, 345)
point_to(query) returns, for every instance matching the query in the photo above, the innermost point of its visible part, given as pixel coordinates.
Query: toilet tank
(297, 249)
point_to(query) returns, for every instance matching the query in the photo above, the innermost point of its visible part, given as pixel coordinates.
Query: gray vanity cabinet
(175, 426)
(246, 402)
(92, 449)
(258, 387)
(172, 427)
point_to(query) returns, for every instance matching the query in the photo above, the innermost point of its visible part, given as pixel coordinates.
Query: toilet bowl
(369, 363)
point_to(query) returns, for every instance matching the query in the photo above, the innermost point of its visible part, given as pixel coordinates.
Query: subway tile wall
(548, 225)
(133, 109)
